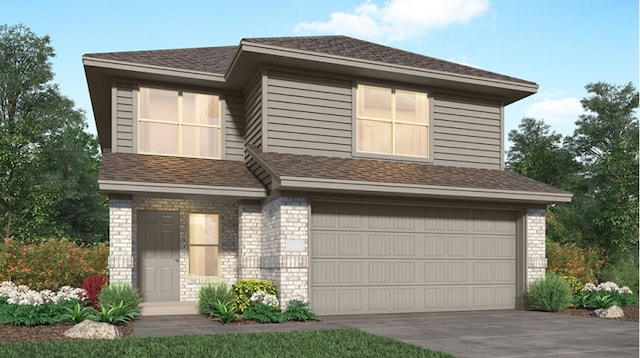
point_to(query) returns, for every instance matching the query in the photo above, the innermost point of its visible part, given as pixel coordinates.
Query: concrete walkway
(466, 334)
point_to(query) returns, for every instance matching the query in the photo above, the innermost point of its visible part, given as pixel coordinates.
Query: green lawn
(333, 343)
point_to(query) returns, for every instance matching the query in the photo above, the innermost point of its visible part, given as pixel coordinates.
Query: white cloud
(398, 19)
(556, 111)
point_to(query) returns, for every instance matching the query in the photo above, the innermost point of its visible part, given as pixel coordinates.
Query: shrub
(78, 313)
(210, 294)
(262, 313)
(604, 295)
(299, 311)
(244, 289)
(51, 263)
(23, 295)
(120, 293)
(117, 313)
(581, 264)
(93, 285)
(550, 293)
(624, 271)
(30, 315)
(226, 311)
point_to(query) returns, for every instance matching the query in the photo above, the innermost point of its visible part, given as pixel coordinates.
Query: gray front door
(159, 255)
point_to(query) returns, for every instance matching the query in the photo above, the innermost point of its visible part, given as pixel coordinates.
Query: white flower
(589, 287)
(265, 298)
(23, 295)
(625, 290)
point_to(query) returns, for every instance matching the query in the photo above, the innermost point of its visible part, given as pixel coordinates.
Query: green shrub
(111, 296)
(624, 271)
(568, 260)
(51, 263)
(119, 313)
(78, 313)
(226, 311)
(210, 294)
(28, 315)
(243, 289)
(550, 293)
(262, 313)
(299, 311)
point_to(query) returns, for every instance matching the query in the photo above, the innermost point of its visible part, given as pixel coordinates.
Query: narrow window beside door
(204, 239)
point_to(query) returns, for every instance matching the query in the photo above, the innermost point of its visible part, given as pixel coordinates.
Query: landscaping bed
(11, 333)
(630, 313)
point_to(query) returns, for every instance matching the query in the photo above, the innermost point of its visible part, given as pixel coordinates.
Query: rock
(611, 312)
(89, 329)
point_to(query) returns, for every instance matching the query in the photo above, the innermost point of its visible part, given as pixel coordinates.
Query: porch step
(168, 308)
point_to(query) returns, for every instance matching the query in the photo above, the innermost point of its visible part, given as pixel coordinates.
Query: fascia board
(298, 183)
(143, 187)
(151, 69)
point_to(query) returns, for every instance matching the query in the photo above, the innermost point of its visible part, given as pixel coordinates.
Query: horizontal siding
(466, 132)
(309, 115)
(124, 118)
(253, 113)
(234, 128)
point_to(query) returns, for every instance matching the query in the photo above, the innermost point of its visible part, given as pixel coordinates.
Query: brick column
(121, 267)
(536, 256)
(249, 241)
(285, 247)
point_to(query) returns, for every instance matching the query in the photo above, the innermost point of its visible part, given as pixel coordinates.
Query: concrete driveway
(465, 334)
(503, 333)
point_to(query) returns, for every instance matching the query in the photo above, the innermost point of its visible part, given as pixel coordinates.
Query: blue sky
(560, 44)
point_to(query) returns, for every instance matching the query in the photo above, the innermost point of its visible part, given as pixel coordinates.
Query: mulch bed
(9, 333)
(630, 313)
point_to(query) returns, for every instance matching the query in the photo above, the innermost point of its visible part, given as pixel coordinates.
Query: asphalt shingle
(318, 167)
(127, 167)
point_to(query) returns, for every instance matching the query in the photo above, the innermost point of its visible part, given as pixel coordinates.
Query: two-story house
(363, 178)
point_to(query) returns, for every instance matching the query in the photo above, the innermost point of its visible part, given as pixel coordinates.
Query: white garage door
(386, 259)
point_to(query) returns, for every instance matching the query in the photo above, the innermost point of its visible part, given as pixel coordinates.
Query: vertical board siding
(253, 128)
(309, 115)
(467, 132)
(124, 117)
(234, 127)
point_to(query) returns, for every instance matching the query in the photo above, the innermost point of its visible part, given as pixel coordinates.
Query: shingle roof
(363, 50)
(306, 166)
(218, 59)
(128, 167)
(205, 59)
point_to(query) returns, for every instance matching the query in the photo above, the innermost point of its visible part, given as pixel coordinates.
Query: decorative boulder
(611, 312)
(93, 330)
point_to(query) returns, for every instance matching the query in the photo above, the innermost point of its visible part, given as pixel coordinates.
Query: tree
(45, 159)
(539, 154)
(605, 142)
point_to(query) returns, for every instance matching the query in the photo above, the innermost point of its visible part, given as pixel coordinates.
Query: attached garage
(373, 258)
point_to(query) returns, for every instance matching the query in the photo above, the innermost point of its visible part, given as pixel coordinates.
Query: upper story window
(392, 121)
(179, 123)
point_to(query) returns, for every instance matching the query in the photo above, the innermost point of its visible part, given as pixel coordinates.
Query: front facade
(362, 178)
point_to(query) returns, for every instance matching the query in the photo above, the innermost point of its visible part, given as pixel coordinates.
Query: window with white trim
(204, 245)
(179, 123)
(392, 121)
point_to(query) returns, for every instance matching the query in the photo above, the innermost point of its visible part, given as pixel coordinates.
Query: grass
(332, 343)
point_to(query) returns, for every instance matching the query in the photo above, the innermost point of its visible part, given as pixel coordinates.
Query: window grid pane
(197, 123)
(404, 132)
(204, 232)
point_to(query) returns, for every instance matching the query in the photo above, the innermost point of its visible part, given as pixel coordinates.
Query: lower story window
(204, 245)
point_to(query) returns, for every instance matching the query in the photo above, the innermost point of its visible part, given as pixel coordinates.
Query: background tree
(48, 163)
(539, 154)
(599, 165)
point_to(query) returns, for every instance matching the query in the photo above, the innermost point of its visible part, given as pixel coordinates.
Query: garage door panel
(324, 244)
(434, 272)
(349, 272)
(380, 272)
(376, 259)
(349, 245)
(435, 246)
(504, 247)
